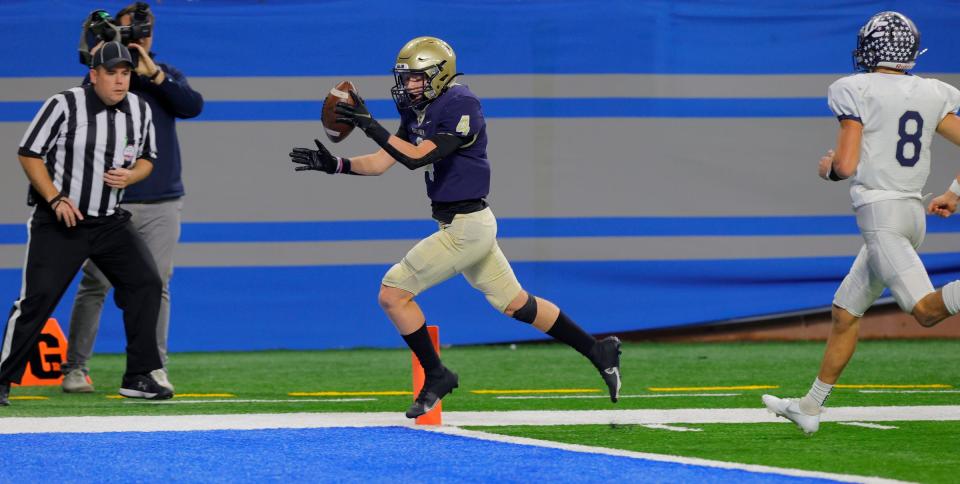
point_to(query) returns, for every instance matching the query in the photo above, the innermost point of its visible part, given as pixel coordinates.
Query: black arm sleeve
(446, 145)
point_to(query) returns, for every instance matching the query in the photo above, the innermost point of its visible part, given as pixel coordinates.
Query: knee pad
(951, 297)
(528, 312)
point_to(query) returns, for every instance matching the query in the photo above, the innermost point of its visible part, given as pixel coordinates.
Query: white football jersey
(900, 114)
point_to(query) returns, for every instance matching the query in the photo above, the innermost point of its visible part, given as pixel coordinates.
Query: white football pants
(892, 231)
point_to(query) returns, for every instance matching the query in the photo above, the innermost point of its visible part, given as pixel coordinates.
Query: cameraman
(155, 205)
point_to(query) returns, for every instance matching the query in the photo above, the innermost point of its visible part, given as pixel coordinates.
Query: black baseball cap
(111, 54)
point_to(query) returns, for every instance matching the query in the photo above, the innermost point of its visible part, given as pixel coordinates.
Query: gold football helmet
(427, 56)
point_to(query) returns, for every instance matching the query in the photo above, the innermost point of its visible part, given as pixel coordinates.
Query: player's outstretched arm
(321, 159)
(407, 154)
(842, 163)
(373, 164)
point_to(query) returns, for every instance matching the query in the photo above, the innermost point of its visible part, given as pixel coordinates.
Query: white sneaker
(790, 410)
(160, 376)
(76, 381)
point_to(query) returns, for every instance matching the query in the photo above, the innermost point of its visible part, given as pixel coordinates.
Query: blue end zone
(389, 454)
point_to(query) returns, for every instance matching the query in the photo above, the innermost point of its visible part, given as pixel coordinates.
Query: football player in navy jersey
(442, 129)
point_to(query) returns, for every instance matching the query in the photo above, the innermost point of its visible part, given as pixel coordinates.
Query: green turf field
(264, 382)
(915, 451)
(274, 375)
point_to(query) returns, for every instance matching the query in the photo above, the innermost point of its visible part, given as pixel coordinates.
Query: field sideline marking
(298, 400)
(28, 397)
(207, 395)
(935, 385)
(653, 457)
(388, 393)
(909, 391)
(704, 389)
(545, 390)
(183, 395)
(300, 420)
(672, 428)
(868, 425)
(655, 395)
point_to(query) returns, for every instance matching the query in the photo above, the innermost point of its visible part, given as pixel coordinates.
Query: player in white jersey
(887, 121)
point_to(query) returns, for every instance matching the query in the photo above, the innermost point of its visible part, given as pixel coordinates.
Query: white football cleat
(790, 410)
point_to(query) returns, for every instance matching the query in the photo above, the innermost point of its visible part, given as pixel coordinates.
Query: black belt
(445, 211)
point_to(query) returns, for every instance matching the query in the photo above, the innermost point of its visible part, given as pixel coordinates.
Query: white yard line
(868, 425)
(909, 391)
(672, 428)
(17, 425)
(693, 416)
(645, 395)
(656, 457)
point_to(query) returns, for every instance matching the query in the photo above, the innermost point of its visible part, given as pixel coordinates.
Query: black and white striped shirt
(79, 138)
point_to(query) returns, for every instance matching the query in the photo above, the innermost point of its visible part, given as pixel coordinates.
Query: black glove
(358, 115)
(319, 159)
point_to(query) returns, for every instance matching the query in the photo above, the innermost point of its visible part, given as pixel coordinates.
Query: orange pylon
(43, 367)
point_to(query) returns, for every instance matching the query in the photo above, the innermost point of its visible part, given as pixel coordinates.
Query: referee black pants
(54, 255)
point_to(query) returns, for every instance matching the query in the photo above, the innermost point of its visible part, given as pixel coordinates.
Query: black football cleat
(434, 389)
(143, 386)
(4, 394)
(605, 355)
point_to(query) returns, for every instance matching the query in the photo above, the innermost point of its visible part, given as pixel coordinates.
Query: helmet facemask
(419, 97)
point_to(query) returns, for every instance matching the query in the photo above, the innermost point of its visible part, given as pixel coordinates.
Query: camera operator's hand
(95, 48)
(146, 67)
(319, 159)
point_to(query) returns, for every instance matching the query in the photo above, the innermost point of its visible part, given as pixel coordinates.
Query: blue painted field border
(348, 455)
(561, 227)
(309, 110)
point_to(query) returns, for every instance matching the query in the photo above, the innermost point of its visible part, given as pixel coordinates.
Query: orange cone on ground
(435, 416)
(43, 366)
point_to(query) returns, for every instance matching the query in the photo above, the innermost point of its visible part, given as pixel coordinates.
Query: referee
(85, 146)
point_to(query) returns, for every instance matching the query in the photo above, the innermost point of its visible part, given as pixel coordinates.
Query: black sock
(566, 331)
(419, 341)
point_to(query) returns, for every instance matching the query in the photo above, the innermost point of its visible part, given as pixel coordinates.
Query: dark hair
(130, 9)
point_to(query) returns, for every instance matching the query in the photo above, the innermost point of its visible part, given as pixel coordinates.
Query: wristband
(344, 166)
(56, 200)
(955, 187)
(155, 74)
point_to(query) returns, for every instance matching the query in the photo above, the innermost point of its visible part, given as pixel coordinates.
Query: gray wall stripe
(486, 86)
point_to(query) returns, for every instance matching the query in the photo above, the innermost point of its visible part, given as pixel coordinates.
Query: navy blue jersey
(465, 174)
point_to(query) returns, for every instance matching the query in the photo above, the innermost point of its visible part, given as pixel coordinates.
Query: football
(337, 132)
